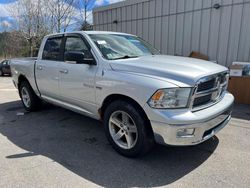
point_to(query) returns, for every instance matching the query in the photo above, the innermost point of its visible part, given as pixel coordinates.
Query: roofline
(87, 33)
(118, 4)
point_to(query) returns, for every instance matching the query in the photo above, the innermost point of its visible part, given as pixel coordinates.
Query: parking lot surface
(55, 147)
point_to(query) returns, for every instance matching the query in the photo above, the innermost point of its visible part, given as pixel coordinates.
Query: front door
(77, 81)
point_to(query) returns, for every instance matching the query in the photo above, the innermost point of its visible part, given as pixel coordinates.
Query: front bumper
(205, 123)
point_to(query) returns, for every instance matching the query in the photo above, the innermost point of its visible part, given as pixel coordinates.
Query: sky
(6, 21)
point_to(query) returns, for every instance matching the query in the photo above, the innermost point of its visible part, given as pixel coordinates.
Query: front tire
(127, 129)
(29, 99)
(1, 73)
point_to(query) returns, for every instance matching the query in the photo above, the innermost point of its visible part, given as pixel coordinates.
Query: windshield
(115, 46)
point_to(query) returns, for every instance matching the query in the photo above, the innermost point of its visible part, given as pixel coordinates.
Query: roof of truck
(88, 33)
(104, 32)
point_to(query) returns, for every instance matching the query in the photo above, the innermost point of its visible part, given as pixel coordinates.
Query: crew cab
(141, 96)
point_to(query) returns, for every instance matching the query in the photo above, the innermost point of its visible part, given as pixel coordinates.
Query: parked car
(141, 97)
(5, 67)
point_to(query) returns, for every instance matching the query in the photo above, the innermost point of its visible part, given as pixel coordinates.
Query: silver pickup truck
(142, 97)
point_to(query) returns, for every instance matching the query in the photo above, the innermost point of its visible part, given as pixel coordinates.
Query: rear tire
(127, 129)
(1, 73)
(30, 100)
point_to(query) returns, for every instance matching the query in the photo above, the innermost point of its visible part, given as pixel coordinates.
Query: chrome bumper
(203, 124)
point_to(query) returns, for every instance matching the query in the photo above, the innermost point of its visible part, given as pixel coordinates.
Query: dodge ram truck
(141, 96)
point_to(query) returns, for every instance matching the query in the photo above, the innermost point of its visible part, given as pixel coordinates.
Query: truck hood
(181, 71)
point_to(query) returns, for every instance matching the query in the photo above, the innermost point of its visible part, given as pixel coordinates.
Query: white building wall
(177, 27)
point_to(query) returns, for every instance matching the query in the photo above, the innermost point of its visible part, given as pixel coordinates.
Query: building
(217, 28)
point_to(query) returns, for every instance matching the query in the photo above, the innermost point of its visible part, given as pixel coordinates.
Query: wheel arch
(21, 78)
(115, 97)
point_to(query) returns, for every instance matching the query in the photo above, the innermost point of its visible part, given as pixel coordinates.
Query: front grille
(209, 90)
(201, 100)
(206, 85)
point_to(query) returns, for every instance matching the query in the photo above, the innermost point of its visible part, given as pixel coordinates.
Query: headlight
(170, 98)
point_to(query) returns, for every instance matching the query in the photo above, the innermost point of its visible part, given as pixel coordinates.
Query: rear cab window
(52, 49)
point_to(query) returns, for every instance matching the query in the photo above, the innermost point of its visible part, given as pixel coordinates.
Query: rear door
(47, 72)
(77, 81)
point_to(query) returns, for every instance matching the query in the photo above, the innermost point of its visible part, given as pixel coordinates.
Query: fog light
(185, 132)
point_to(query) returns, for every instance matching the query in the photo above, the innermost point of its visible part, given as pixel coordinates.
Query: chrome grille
(209, 90)
(206, 85)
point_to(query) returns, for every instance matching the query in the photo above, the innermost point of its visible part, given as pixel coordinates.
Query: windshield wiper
(125, 57)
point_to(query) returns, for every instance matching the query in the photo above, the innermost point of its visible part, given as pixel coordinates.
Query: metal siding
(181, 26)
(151, 38)
(139, 11)
(158, 7)
(224, 34)
(187, 35)
(244, 45)
(234, 33)
(196, 28)
(113, 17)
(171, 34)
(165, 5)
(165, 34)
(214, 32)
(227, 2)
(128, 19)
(145, 25)
(118, 18)
(205, 24)
(139, 28)
(158, 25)
(109, 20)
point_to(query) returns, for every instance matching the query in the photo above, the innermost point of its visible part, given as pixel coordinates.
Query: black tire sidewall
(141, 143)
(34, 100)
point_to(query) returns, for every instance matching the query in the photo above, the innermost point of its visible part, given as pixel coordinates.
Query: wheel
(127, 130)
(1, 73)
(29, 99)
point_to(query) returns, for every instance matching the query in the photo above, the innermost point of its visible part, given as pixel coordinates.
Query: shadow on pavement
(79, 144)
(241, 111)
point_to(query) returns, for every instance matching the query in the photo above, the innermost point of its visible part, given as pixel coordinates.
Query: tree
(60, 13)
(86, 26)
(85, 6)
(12, 44)
(31, 21)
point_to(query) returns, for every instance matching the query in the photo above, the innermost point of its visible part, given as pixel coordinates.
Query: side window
(5, 63)
(77, 44)
(51, 49)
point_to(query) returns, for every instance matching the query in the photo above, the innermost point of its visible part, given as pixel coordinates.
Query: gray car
(141, 96)
(5, 67)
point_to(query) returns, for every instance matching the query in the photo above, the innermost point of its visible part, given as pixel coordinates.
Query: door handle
(39, 68)
(64, 71)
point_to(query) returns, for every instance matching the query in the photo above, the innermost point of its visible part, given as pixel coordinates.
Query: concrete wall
(182, 26)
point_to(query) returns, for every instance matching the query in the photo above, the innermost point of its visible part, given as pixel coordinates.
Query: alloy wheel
(25, 97)
(123, 130)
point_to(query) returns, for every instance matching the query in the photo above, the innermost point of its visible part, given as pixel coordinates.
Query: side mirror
(75, 57)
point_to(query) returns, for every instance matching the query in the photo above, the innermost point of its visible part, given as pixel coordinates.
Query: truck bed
(25, 67)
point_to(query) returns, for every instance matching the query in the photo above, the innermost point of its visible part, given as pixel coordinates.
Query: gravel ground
(58, 148)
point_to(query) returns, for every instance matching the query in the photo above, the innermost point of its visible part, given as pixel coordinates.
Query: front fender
(140, 88)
